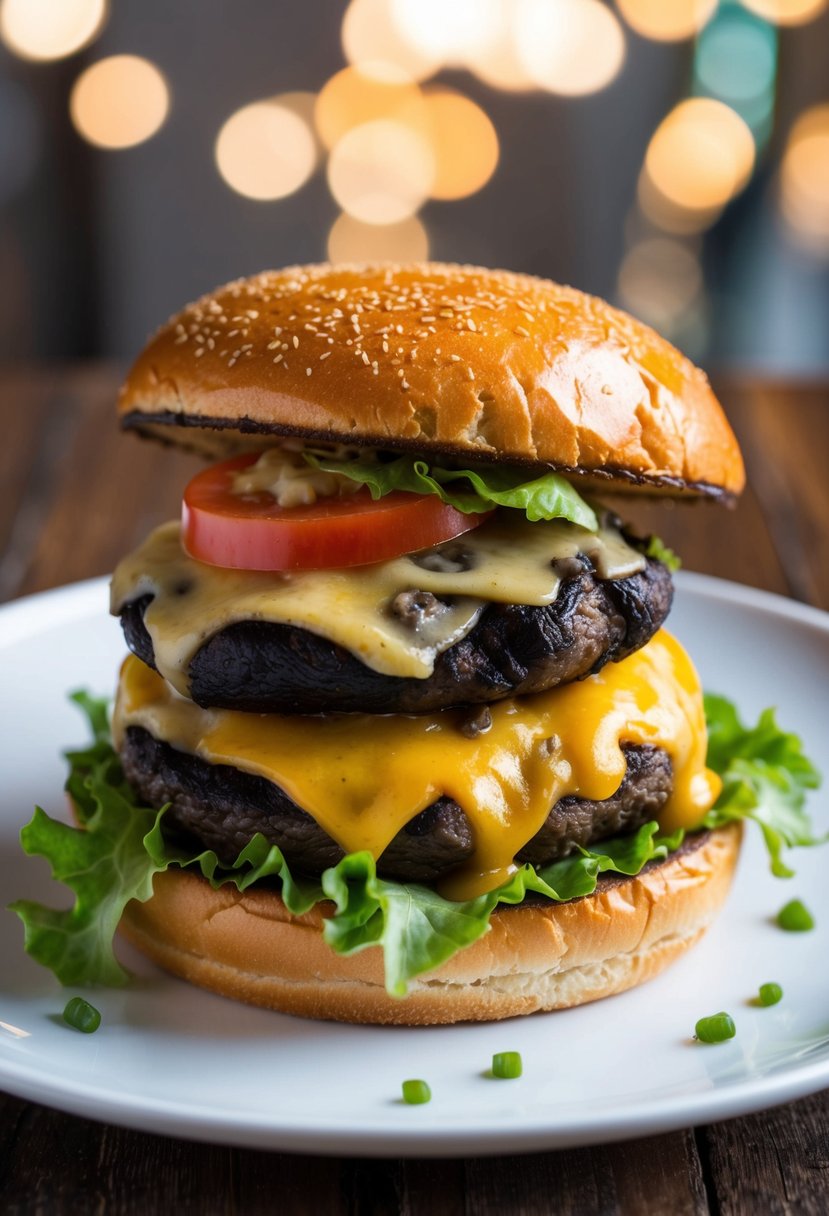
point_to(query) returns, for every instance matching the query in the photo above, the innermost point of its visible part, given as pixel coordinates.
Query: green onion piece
(81, 1015)
(507, 1065)
(716, 1028)
(795, 917)
(415, 1093)
(770, 994)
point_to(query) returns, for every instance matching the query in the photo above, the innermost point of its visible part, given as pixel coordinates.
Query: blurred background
(671, 155)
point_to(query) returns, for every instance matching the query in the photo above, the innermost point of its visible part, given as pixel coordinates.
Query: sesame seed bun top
(452, 360)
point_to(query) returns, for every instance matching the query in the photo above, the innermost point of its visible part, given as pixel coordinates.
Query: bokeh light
(736, 58)
(698, 158)
(804, 180)
(786, 12)
(301, 102)
(498, 62)
(448, 31)
(119, 102)
(370, 35)
(463, 142)
(50, 29)
(381, 172)
(354, 97)
(352, 241)
(659, 280)
(265, 150)
(571, 47)
(666, 20)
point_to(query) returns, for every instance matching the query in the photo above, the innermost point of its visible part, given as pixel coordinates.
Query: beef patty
(220, 807)
(513, 649)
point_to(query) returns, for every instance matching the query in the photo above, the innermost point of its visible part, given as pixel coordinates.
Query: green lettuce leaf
(104, 863)
(115, 855)
(419, 929)
(471, 491)
(657, 548)
(113, 858)
(765, 778)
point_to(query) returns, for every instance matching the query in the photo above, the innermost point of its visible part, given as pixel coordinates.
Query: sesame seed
(308, 371)
(295, 341)
(274, 345)
(455, 358)
(519, 329)
(365, 358)
(470, 373)
(324, 355)
(278, 358)
(470, 324)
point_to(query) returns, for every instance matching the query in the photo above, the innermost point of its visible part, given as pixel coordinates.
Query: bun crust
(437, 358)
(537, 956)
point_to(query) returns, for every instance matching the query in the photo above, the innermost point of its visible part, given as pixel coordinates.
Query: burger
(401, 736)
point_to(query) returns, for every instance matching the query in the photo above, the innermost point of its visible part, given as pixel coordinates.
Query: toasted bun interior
(434, 358)
(537, 956)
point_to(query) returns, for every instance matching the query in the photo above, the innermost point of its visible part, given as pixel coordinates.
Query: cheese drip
(364, 777)
(508, 560)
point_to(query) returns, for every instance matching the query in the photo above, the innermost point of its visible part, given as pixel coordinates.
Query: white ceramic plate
(170, 1058)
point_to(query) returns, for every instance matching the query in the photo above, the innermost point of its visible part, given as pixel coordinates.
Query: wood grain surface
(74, 496)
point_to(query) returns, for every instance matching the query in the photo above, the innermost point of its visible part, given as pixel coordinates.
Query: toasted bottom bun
(537, 956)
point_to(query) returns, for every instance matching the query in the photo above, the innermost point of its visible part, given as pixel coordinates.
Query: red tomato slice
(252, 532)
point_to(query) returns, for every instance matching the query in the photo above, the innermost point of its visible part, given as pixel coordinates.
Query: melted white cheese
(506, 560)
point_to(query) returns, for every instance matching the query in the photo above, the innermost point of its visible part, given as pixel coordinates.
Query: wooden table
(75, 496)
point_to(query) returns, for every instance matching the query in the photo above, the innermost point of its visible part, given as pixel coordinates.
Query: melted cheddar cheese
(364, 777)
(507, 560)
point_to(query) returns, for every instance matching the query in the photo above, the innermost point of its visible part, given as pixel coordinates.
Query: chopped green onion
(716, 1028)
(507, 1065)
(81, 1015)
(415, 1093)
(795, 917)
(769, 994)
